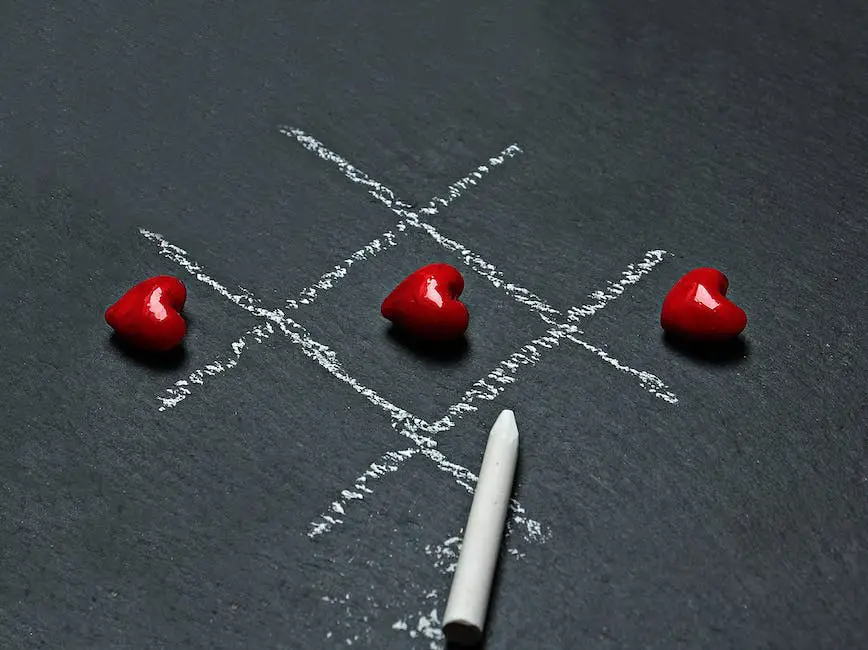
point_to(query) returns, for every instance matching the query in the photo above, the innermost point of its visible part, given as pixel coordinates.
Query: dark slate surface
(730, 136)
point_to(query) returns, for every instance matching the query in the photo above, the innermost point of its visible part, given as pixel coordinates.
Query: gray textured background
(731, 136)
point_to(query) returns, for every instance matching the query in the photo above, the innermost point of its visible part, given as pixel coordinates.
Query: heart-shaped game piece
(697, 308)
(147, 315)
(426, 303)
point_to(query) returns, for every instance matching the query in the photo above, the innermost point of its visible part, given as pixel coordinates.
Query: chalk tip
(505, 427)
(462, 632)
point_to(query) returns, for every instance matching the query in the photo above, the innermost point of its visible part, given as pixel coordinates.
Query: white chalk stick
(466, 608)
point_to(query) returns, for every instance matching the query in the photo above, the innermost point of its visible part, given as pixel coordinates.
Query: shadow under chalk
(720, 353)
(441, 352)
(167, 361)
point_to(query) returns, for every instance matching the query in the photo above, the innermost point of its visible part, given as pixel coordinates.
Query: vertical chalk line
(389, 462)
(388, 198)
(243, 298)
(494, 382)
(486, 270)
(425, 622)
(329, 279)
(612, 290)
(650, 382)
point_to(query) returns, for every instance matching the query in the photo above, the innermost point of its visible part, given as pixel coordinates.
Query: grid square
(425, 383)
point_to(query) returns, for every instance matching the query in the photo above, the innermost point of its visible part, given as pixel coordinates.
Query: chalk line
(381, 191)
(389, 463)
(243, 298)
(408, 425)
(487, 270)
(425, 623)
(495, 382)
(409, 217)
(504, 373)
(649, 381)
(615, 289)
(376, 189)
(387, 196)
(329, 279)
(182, 388)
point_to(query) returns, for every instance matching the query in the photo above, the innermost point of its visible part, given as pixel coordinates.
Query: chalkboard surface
(298, 475)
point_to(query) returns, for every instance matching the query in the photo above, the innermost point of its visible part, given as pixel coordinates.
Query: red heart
(697, 307)
(147, 315)
(426, 303)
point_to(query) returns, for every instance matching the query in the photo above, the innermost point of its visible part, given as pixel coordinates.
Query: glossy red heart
(697, 307)
(426, 303)
(147, 315)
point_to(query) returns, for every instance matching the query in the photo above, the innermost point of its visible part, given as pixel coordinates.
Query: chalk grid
(561, 327)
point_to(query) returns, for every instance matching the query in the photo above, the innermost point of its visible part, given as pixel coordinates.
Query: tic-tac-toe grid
(561, 327)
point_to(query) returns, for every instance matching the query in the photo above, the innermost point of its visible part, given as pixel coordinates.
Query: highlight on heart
(148, 316)
(425, 304)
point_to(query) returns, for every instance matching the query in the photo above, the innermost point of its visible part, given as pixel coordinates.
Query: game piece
(147, 315)
(697, 308)
(466, 608)
(426, 303)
